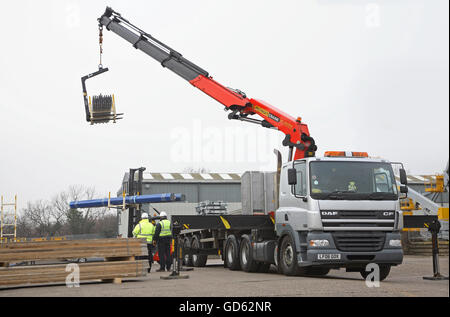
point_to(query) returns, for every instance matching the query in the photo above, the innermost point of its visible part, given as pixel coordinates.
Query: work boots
(161, 269)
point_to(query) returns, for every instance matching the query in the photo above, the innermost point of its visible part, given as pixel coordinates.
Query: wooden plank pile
(118, 255)
(425, 248)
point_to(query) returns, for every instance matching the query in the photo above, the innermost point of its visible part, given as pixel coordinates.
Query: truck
(312, 215)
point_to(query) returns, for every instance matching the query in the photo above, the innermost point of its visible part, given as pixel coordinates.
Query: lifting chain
(100, 42)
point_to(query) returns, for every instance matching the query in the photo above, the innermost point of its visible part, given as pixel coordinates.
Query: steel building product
(155, 198)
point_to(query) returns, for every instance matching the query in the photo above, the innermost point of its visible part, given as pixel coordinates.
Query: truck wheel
(384, 272)
(232, 253)
(316, 271)
(246, 256)
(276, 256)
(198, 260)
(187, 256)
(288, 257)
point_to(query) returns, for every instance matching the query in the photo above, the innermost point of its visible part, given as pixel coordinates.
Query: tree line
(54, 217)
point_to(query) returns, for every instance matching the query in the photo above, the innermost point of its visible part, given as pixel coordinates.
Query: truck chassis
(223, 235)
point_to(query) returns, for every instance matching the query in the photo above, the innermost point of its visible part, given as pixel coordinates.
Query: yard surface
(216, 281)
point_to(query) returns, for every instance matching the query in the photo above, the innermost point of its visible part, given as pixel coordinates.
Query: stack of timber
(116, 259)
(425, 248)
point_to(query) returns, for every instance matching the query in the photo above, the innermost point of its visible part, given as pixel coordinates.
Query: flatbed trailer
(201, 236)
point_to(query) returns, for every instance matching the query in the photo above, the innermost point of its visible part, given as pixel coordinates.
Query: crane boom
(241, 107)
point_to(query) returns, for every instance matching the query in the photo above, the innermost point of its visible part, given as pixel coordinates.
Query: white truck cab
(337, 211)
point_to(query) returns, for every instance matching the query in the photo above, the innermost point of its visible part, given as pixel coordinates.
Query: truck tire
(198, 260)
(316, 271)
(246, 255)
(276, 257)
(288, 257)
(187, 256)
(232, 253)
(384, 272)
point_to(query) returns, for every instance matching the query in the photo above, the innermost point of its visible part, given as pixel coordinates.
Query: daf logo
(388, 213)
(329, 213)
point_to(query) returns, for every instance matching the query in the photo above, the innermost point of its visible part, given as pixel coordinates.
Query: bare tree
(39, 215)
(107, 226)
(49, 218)
(24, 227)
(77, 221)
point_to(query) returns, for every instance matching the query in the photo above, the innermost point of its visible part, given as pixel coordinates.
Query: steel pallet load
(101, 108)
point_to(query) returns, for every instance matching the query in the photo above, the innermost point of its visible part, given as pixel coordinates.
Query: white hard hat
(163, 214)
(144, 215)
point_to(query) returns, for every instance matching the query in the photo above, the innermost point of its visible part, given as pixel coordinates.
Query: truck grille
(357, 214)
(359, 220)
(359, 241)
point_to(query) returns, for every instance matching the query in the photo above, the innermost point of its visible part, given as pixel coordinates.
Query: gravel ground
(214, 280)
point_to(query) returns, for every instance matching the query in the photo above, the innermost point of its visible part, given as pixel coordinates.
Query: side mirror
(404, 189)
(292, 176)
(403, 178)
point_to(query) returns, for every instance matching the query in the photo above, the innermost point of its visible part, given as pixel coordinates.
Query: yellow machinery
(409, 205)
(443, 213)
(437, 187)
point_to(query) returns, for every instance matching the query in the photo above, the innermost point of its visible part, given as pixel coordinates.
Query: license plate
(329, 256)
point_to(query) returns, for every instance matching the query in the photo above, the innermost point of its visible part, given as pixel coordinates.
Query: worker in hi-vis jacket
(163, 236)
(146, 230)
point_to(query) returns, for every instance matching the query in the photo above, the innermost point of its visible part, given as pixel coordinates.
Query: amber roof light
(345, 154)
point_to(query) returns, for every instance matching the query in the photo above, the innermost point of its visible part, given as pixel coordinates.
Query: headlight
(319, 243)
(395, 243)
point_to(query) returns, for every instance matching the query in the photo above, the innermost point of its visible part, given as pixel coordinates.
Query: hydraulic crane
(240, 106)
(315, 227)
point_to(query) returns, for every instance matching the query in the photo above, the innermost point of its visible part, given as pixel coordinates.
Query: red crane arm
(297, 133)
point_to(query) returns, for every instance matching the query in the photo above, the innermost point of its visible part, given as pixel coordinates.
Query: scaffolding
(8, 220)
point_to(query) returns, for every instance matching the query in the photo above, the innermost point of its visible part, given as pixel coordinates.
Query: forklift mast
(134, 188)
(234, 100)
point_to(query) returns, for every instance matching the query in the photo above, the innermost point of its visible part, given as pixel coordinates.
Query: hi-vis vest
(144, 229)
(165, 228)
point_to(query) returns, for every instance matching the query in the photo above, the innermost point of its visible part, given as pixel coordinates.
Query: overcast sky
(364, 75)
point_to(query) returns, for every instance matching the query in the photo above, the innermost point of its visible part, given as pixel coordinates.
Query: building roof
(419, 179)
(150, 177)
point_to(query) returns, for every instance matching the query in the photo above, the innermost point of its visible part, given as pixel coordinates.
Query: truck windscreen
(352, 181)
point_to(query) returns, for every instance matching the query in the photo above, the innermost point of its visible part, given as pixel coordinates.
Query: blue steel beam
(117, 201)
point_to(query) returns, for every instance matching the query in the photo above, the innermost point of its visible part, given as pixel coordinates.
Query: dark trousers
(150, 253)
(149, 257)
(165, 259)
